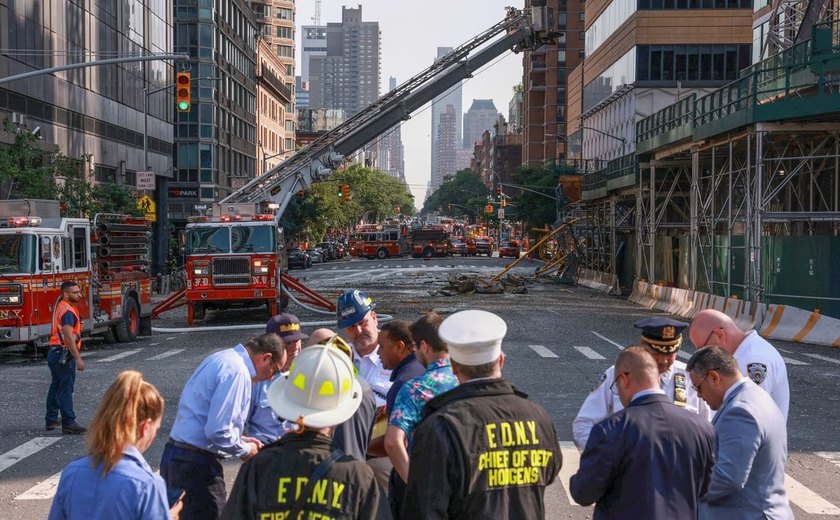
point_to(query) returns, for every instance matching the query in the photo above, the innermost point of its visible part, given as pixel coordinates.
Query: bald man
(651, 459)
(756, 357)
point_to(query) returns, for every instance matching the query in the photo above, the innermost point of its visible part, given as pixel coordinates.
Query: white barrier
(792, 324)
(600, 281)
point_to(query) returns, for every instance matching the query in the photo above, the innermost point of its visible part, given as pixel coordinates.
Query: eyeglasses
(700, 383)
(612, 385)
(708, 338)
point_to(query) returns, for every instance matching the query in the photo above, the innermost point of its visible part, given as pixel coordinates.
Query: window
(80, 247)
(709, 63)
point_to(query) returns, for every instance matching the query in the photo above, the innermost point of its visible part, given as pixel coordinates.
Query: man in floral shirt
(433, 353)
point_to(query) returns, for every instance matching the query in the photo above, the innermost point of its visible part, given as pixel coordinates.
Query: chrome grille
(232, 271)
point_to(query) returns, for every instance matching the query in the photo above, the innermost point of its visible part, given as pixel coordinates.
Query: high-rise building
(347, 76)
(446, 159)
(452, 97)
(392, 152)
(480, 117)
(216, 141)
(545, 80)
(314, 43)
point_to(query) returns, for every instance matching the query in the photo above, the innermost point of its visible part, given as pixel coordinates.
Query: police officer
(483, 450)
(663, 338)
(211, 416)
(303, 475)
(64, 358)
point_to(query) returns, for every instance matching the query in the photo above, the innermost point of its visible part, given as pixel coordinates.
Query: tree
(461, 194)
(25, 172)
(533, 209)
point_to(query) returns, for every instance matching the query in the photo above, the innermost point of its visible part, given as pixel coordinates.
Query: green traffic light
(183, 105)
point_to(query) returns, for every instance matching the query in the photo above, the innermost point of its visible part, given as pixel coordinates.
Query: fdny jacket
(482, 451)
(267, 485)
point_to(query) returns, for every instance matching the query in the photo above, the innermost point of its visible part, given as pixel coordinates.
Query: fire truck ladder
(177, 299)
(520, 29)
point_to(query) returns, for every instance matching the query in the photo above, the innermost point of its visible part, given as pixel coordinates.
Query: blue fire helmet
(352, 307)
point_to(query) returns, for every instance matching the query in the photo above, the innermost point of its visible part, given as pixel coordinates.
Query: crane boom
(521, 29)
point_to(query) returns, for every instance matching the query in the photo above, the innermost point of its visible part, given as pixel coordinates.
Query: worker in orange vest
(64, 359)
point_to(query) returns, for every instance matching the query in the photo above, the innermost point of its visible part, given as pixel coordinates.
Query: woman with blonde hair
(114, 480)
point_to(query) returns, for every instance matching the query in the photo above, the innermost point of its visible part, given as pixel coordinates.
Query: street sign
(501, 212)
(146, 181)
(146, 204)
(151, 217)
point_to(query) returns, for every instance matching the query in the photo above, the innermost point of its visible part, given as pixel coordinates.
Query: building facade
(392, 151)
(275, 136)
(445, 160)
(453, 97)
(481, 116)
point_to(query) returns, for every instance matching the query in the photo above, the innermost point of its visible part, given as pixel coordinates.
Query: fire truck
(234, 258)
(380, 241)
(108, 257)
(429, 241)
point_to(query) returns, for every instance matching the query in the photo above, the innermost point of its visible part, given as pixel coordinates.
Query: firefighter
(482, 450)
(64, 359)
(303, 475)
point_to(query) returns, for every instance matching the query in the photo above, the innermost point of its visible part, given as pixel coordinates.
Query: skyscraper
(439, 106)
(481, 116)
(391, 154)
(446, 159)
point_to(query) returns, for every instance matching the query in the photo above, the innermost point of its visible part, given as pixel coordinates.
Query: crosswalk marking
(119, 356)
(542, 351)
(43, 490)
(166, 354)
(807, 500)
(608, 340)
(790, 361)
(30, 447)
(571, 462)
(589, 353)
(823, 358)
(831, 456)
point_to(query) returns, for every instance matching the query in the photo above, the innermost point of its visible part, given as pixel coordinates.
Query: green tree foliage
(531, 208)
(375, 196)
(463, 194)
(25, 172)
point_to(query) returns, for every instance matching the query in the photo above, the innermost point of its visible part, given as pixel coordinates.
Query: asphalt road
(559, 340)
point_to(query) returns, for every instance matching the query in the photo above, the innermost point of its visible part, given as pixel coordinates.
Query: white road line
(608, 340)
(831, 456)
(588, 352)
(43, 490)
(153, 344)
(119, 356)
(571, 461)
(30, 447)
(166, 354)
(823, 358)
(790, 361)
(167, 339)
(683, 355)
(785, 351)
(807, 500)
(542, 351)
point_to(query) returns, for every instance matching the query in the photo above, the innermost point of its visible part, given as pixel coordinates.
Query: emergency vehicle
(380, 241)
(107, 257)
(233, 258)
(429, 241)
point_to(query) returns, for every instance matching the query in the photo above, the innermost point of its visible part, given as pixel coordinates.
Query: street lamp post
(266, 158)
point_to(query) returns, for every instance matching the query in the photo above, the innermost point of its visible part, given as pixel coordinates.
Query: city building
(314, 43)
(445, 157)
(507, 156)
(453, 97)
(392, 151)
(545, 84)
(216, 140)
(275, 136)
(516, 107)
(480, 117)
(93, 115)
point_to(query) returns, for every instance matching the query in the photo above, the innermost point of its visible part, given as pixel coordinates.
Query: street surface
(559, 340)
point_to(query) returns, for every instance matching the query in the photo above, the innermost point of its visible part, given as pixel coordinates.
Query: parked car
(509, 248)
(457, 247)
(483, 246)
(329, 249)
(298, 258)
(316, 254)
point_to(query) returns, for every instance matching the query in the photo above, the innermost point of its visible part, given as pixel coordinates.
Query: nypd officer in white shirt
(756, 357)
(662, 337)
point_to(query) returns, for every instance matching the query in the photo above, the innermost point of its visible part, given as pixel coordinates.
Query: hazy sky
(412, 30)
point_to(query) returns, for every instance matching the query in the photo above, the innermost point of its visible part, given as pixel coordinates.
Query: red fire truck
(107, 257)
(429, 241)
(380, 241)
(233, 259)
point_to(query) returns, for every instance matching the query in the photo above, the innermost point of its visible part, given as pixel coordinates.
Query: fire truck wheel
(109, 336)
(428, 252)
(129, 327)
(382, 253)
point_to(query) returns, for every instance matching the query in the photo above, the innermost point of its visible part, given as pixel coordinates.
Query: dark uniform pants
(60, 395)
(396, 494)
(200, 476)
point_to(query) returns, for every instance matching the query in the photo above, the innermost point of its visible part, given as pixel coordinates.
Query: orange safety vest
(55, 338)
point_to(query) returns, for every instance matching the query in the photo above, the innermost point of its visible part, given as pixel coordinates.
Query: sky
(411, 31)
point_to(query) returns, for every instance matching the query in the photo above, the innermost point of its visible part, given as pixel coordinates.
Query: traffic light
(300, 194)
(345, 192)
(504, 202)
(499, 191)
(340, 193)
(488, 209)
(183, 88)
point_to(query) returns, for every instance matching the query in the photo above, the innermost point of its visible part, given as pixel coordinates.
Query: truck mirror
(182, 242)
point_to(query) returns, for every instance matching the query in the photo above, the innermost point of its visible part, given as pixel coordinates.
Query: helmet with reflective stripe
(352, 307)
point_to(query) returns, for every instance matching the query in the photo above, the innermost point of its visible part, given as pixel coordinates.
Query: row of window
(691, 62)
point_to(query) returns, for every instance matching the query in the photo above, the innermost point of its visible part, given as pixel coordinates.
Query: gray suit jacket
(748, 480)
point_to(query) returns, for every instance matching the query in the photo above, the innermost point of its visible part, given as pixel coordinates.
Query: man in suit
(652, 459)
(748, 480)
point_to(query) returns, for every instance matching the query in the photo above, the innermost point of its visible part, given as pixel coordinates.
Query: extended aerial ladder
(521, 29)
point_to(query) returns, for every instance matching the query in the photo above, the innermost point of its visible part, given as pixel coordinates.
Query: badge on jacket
(680, 390)
(757, 372)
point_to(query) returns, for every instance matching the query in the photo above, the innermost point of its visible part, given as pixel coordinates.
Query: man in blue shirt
(211, 416)
(263, 423)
